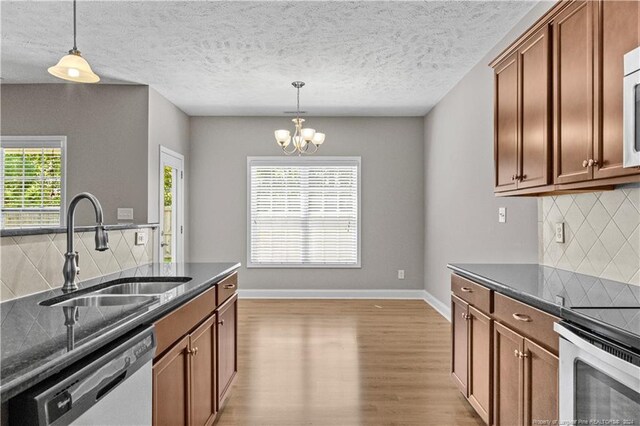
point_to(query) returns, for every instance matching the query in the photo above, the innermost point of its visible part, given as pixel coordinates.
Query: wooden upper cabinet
(506, 123)
(535, 105)
(573, 92)
(459, 343)
(617, 25)
(203, 367)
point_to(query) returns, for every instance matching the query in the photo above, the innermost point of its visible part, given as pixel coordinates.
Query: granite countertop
(590, 301)
(35, 343)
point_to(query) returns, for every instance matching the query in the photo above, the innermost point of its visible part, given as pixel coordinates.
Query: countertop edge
(11, 389)
(20, 232)
(543, 305)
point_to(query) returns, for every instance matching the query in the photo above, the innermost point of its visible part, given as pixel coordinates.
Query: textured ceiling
(238, 58)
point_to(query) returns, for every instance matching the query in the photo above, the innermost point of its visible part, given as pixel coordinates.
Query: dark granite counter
(35, 343)
(601, 304)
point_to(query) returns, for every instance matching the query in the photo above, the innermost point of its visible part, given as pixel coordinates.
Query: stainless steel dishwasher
(113, 386)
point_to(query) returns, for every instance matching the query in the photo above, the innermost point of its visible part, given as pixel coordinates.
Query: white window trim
(288, 161)
(49, 142)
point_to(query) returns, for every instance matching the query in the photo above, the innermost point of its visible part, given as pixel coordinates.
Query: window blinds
(31, 188)
(304, 212)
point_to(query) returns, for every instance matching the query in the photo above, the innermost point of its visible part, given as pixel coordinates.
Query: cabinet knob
(593, 162)
(516, 353)
(523, 355)
(585, 164)
(221, 322)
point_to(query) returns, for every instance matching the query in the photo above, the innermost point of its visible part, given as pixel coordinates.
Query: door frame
(176, 160)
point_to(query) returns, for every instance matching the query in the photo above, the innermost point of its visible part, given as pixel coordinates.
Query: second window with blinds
(303, 212)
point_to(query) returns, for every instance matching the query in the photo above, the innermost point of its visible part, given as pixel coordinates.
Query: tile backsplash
(602, 233)
(33, 263)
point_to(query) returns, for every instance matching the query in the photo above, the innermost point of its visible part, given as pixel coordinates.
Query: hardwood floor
(343, 362)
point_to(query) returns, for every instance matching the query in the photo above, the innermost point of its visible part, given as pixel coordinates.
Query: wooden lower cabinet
(459, 343)
(227, 356)
(203, 377)
(479, 386)
(525, 380)
(171, 383)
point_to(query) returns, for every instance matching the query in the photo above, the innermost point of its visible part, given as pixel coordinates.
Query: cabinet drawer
(227, 288)
(180, 322)
(472, 293)
(526, 320)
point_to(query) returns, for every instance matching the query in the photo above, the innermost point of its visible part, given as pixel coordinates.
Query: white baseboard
(436, 304)
(330, 294)
(442, 308)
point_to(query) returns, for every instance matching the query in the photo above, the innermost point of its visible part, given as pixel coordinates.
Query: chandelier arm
(284, 149)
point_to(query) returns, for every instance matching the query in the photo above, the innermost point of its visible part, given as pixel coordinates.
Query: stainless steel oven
(632, 109)
(599, 379)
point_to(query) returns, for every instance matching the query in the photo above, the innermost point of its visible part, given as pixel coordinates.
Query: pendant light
(74, 67)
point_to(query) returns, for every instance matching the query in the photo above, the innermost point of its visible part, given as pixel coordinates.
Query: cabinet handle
(221, 322)
(195, 351)
(516, 353)
(524, 355)
(522, 317)
(466, 316)
(585, 164)
(229, 286)
(467, 289)
(593, 163)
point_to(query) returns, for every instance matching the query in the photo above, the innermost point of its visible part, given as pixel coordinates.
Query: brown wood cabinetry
(228, 347)
(196, 359)
(505, 361)
(573, 56)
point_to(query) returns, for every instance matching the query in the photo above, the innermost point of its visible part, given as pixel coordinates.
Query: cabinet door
(540, 385)
(203, 373)
(573, 94)
(480, 363)
(171, 383)
(459, 343)
(227, 345)
(507, 377)
(506, 123)
(617, 24)
(535, 107)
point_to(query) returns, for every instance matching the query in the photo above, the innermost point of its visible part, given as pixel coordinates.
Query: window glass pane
(32, 190)
(305, 213)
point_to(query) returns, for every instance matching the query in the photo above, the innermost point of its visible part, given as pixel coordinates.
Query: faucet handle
(77, 263)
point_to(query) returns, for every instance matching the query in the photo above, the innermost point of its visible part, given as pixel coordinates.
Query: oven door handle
(605, 357)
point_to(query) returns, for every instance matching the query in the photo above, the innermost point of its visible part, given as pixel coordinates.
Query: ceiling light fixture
(74, 67)
(305, 141)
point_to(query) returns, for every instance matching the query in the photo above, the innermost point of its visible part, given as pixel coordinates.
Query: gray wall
(392, 197)
(169, 127)
(107, 136)
(461, 212)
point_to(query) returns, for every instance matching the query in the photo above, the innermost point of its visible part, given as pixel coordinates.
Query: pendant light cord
(74, 26)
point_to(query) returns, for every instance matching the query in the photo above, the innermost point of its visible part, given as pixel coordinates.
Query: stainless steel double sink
(122, 291)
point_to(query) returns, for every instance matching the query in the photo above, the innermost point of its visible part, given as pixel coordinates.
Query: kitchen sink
(157, 287)
(105, 300)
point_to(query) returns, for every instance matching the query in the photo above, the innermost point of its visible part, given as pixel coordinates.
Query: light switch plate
(401, 274)
(560, 232)
(502, 214)
(125, 213)
(141, 238)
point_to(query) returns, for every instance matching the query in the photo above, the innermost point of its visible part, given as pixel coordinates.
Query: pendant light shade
(74, 67)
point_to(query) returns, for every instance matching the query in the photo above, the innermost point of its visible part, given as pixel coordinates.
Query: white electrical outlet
(401, 274)
(141, 238)
(502, 214)
(125, 213)
(560, 232)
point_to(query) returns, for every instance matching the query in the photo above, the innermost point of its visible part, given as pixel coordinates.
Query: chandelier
(305, 140)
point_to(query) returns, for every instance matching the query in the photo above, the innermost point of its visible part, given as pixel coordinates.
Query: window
(304, 212)
(32, 187)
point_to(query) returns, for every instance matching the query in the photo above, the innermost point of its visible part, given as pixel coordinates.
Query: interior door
(171, 206)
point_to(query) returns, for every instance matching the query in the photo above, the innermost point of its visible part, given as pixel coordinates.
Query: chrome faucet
(71, 269)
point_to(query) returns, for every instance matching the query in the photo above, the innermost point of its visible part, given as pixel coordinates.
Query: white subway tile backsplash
(33, 263)
(602, 233)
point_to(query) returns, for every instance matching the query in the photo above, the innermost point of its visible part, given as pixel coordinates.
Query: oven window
(600, 398)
